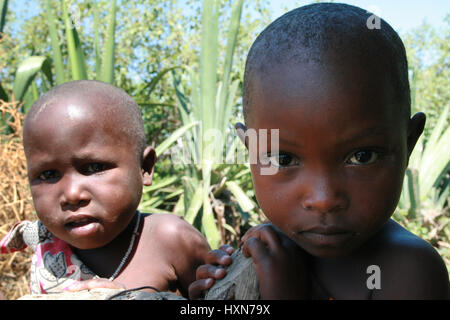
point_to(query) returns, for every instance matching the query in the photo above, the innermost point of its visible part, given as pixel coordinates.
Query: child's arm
(186, 249)
(412, 270)
(94, 283)
(281, 266)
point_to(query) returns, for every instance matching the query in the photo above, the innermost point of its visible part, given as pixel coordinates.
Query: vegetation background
(176, 58)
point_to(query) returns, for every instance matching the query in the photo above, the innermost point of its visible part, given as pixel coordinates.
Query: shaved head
(329, 34)
(108, 103)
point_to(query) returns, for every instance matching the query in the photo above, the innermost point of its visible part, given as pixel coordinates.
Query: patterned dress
(54, 266)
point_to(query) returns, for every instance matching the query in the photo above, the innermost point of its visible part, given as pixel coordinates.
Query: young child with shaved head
(337, 90)
(87, 163)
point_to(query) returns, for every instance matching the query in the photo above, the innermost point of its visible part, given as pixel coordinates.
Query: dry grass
(15, 203)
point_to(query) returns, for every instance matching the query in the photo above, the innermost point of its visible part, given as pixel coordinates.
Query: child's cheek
(374, 203)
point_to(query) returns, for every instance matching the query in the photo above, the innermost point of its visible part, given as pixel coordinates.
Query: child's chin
(329, 252)
(85, 244)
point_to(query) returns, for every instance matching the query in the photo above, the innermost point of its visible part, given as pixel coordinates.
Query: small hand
(94, 283)
(281, 265)
(213, 269)
(254, 232)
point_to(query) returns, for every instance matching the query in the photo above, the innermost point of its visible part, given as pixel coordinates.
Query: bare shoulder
(410, 267)
(179, 247)
(173, 229)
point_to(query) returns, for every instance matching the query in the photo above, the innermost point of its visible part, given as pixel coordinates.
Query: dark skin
(344, 145)
(82, 169)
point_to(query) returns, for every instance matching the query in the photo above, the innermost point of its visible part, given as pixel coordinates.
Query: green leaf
(208, 222)
(210, 225)
(26, 72)
(98, 61)
(179, 206)
(227, 109)
(154, 104)
(156, 210)
(208, 64)
(56, 49)
(160, 199)
(152, 84)
(163, 146)
(109, 51)
(161, 184)
(233, 31)
(3, 94)
(195, 205)
(3, 10)
(244, 201)
(436, 155)
(413, 193)
(75, 50)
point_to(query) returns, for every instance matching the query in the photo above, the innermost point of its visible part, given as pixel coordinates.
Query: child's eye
(48, 175)
(283, 160)
(363, 157)
(92, 168)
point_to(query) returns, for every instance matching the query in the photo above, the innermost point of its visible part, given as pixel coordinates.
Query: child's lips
(81, 224)
(326, 235)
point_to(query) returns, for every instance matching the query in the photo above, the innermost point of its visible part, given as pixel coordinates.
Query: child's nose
(324, 194)
(73, 193)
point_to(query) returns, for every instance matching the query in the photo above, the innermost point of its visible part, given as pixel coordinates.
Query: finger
(270, 237)
(209, 271)
(253, 231)
(197, 288)
(218, 257)
(267, 234)
(227, 248)
(255, 248)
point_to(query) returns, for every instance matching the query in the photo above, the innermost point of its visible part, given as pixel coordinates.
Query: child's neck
(347, 274)
(104, 261)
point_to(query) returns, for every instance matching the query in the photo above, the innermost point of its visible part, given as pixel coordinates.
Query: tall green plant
(3, 10)
(425, 177)
(32, 66)
(25, 88)
(210, 105)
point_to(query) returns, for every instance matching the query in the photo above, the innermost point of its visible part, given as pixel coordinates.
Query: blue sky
(402, 15)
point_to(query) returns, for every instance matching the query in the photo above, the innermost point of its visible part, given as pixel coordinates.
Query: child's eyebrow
(364, 134)
(296, 143)
(350, 138)
(34, 168)
(91, 157)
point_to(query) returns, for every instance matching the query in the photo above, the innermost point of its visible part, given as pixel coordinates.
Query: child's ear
(148, 165)
(415, 128)
(240, 130)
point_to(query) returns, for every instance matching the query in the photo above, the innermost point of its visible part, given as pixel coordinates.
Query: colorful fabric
(54, 266)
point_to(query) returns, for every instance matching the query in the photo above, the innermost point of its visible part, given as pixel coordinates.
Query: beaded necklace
(130, 248)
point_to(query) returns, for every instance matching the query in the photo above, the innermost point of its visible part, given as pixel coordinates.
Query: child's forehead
(90, 114)
(313, 81)
(76, 107)
(323, 89)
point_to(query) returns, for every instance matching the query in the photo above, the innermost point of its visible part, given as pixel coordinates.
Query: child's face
(342, 154)
(85, 177)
